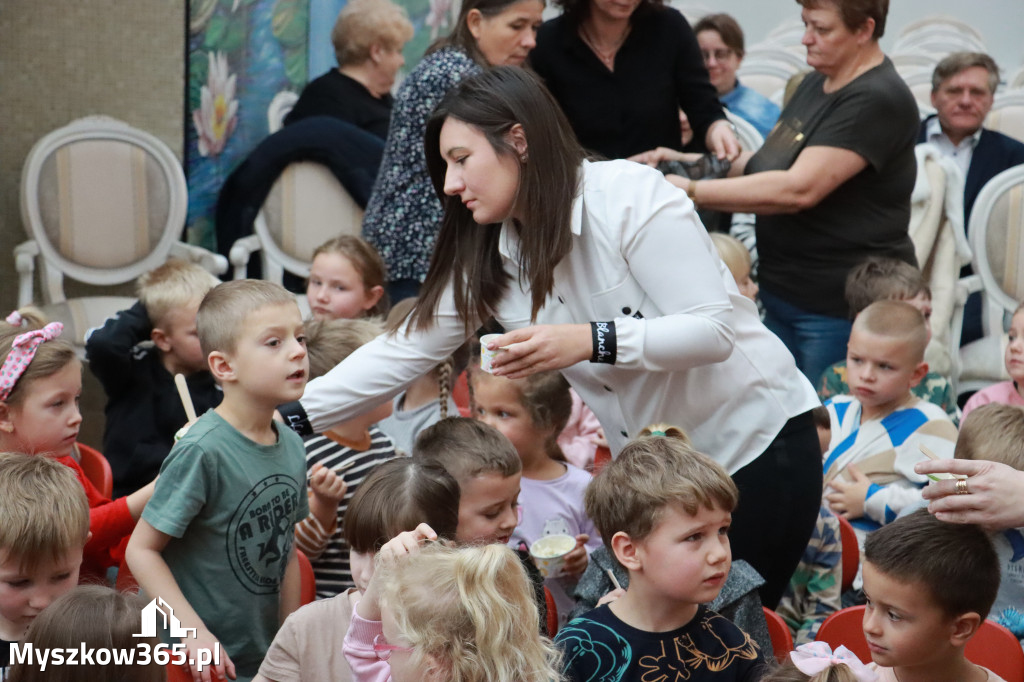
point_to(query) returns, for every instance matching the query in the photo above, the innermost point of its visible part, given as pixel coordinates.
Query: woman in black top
(831, 186)
(622, 69)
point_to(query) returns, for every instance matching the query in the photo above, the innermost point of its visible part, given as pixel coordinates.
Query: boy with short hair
(888, 279)
(929, 585)
(664, 510)
(878, 430)
(45, 525)
(135, 355)
(995, 432)
(488, 470)
(215, 541)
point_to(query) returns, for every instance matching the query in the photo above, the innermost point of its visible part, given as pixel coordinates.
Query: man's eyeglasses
(383, 649)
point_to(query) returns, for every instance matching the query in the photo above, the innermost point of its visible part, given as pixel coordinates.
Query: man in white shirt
(963, 89)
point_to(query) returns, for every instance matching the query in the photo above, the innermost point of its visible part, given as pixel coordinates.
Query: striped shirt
(325, 547)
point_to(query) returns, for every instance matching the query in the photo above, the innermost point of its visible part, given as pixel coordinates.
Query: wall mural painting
(240, 54)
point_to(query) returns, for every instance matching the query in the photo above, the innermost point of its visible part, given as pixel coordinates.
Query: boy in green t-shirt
(215, 542)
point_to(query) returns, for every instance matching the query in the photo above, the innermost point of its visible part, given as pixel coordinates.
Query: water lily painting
(240, 54)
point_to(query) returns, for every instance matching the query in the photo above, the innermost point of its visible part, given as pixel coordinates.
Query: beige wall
(60, 60)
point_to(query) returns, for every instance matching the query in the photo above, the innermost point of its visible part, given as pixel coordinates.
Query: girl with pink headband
(40, 386)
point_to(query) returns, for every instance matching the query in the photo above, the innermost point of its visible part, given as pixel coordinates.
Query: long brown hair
(466, 253)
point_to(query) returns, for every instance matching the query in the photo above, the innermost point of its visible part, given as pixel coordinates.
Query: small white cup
(549, 554)
(487, 356)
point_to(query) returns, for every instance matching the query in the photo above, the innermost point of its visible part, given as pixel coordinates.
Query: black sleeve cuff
(603, 337)
(295, 418)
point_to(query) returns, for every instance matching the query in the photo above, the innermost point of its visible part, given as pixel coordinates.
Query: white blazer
(692, 351)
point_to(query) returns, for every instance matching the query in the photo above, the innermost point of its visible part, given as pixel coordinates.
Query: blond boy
(995, 432)
(44, 524)
(929, 585)
(664, 511)
(135, 355)
(878, 430)
(215, 542)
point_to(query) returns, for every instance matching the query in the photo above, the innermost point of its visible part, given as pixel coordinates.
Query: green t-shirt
(231, 505)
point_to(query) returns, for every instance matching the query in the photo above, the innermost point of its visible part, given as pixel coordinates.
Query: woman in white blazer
(603, 271)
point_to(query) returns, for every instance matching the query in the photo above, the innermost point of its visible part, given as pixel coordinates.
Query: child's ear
(160, 340)
(6, 423)
(919, 373)
(964, 627)
(220, 366)
(373, 295)
(626, 551)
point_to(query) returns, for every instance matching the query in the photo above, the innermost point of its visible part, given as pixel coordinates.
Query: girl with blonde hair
(436, 613)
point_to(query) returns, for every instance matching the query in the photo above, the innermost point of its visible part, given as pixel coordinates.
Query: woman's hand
(402, 545)
(541, 348)
(655, 156)
(994, 498)
(721, 140)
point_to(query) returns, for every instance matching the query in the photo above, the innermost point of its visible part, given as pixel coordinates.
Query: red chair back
(992, 646)
(552, 623)
(846, 627)
(851, 552)
(782, 638)
(460, 394)
(96, 468)
(307, 593)
(601, 457)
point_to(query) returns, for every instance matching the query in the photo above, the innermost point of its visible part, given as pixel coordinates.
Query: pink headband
(22, 351)
(14, 319)
(812, 658)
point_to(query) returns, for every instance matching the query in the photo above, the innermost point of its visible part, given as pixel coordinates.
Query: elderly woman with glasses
(831, 186)
(721, 45)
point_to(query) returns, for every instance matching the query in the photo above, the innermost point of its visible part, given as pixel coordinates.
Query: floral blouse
(404, 214)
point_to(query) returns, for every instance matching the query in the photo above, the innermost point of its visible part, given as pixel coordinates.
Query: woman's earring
(523, 157)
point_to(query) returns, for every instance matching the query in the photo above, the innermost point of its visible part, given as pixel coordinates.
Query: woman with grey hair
(368, 39)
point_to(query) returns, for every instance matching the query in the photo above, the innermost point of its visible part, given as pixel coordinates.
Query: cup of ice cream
(549, 554)
(487, 356)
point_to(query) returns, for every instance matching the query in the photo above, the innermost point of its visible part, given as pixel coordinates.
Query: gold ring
(961, 487)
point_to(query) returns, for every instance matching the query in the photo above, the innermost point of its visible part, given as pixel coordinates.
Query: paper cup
(549, 554)
(487, 356)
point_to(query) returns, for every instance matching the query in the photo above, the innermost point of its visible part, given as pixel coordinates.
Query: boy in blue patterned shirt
(664, 511)
(878, 430)
(215, 541)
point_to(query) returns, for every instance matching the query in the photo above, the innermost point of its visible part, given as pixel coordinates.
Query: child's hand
(611, 596)
(848, 498)
(402, 545)
(576, 560)
(327, 486)
(204, 640)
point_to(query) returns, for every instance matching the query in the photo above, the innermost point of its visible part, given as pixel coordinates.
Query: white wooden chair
(996, 234)
(1007, 115)
(280, 105)
(102, 203)
(768, 78)
(920, 85)
(305, 207)
(944, 21)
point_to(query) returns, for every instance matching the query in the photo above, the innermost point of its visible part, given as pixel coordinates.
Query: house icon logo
(157, 615)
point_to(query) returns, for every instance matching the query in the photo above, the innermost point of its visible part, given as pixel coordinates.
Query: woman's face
(830, 45)
(485, 180)
(506, 38)
(613, 10)
(720, 60)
